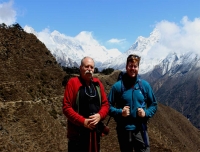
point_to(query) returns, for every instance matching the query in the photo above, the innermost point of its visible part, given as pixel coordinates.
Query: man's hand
(141, 112)
(87, 124)
(92, 121)
(126, 111)
(95, 119)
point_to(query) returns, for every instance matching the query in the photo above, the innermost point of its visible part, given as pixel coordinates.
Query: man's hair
(85, 58)
(133, 58)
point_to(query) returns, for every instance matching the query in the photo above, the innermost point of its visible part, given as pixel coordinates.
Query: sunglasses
(134, 56)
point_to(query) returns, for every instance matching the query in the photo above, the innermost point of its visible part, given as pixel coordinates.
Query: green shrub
(107, 71)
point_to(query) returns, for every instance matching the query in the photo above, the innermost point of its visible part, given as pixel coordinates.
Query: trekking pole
(144, 130)
(108, 121)
(130, 135)
(90, 142)
(93, 142)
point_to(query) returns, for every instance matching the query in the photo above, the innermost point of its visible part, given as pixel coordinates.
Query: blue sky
(113, 23)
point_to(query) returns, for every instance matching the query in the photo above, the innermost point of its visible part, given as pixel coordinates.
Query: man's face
(87, 69)
(132, 69)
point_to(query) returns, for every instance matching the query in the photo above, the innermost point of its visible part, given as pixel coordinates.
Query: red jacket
(74, 119)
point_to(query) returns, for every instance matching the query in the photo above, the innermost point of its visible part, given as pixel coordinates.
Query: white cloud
(178, 38)
(116, 40)
(7, 13)
(45, 36)
(86, 37)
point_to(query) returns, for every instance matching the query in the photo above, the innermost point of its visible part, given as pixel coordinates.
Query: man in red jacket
(85, 107)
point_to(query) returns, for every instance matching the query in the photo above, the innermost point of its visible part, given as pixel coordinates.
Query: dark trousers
(85, 142)
(132, 140)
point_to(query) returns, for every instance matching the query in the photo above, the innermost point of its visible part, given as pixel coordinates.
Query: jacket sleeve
(113, 98)
(151, 102)
(69, 104)
(104, 102)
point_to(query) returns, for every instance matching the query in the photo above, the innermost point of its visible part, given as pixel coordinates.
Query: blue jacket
(133, 97)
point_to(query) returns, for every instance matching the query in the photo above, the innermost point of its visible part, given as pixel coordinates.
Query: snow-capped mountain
(154, 52)
(141, 47)
(69, 51)
(179, 64)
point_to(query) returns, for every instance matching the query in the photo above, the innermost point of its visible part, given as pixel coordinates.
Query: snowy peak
(155, 51)
(142, 44)
(168, 62)
(30, 30)
(141, 47)
(179, 64)
(68, 50)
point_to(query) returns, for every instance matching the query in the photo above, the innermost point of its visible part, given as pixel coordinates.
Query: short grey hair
(85, 58)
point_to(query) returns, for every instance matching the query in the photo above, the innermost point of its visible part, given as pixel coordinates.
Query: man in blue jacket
(132, 103)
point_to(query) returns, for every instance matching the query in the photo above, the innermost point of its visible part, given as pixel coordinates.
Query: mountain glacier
(69, 51)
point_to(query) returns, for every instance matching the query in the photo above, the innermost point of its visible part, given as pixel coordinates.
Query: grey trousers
(132, 140)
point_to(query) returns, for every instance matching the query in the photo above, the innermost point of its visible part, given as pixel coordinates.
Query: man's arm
(151, 102)
(69, 102)
(113, 97)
